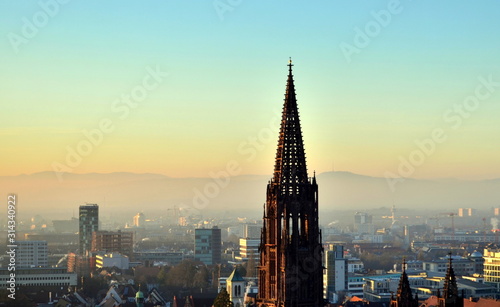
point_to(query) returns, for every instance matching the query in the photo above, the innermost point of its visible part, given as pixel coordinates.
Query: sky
(185, 89)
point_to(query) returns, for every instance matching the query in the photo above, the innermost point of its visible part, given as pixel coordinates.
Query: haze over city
(238, 153)
(386, 89)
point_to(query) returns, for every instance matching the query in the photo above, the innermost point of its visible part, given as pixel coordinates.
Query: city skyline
(386, 88)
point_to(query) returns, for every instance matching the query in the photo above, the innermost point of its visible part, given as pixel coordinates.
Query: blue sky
(226, 80)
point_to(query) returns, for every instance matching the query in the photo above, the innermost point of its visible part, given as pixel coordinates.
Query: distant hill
(363, 192)
(120, 192)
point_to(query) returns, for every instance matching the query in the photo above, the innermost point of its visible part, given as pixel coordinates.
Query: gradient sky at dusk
(226, 78)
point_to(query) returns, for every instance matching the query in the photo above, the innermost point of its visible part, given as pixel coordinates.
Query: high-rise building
(31, 254)
(462, 212)
(207, 245)
(335, 274)
(88, 223)
(113, 241)
(363, 223)
(491, 257)
(496, 211)
(291, 269)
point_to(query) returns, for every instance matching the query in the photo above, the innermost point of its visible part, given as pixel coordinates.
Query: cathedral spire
(450, 297)
(291, 270)
(404, 296)
(290, 168)
(404, 290)
(450, 283)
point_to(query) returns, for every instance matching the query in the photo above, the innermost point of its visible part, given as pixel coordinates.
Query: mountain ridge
(338, 190)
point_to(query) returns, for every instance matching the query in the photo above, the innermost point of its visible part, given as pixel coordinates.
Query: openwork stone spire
(290, 167)
(291, 270)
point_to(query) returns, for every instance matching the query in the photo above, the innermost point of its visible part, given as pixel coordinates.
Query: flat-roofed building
(113, 241)
(39, 277)
(88, 223)
(461, 266)
(112, 260)
(335, 273)
(249, 248)
(167, 257)
(491, 257)
(31, 254)
(207, 245)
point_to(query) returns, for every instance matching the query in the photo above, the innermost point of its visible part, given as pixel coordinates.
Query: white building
(379, 289)
(112, 260)
(355, 285)
(355, 265)
(249, 248)
(461, 266)
(31, 254)
(335, 273)
(491, 257)
(39, 277)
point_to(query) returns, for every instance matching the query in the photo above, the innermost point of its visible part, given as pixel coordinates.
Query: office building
(88, 223)
(335, 273)
(249, 248)
(113, 241)
(31, 254)
(207, 245)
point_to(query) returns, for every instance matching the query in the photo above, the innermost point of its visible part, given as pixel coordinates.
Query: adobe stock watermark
(224, 6)
(363, 36)
(248, 149)
(120, 108)
(39, 20)
(11, 245)
(453, 117)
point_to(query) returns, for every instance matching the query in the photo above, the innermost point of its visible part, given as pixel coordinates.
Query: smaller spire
(450, 290)
(290, 66)
(404, 294)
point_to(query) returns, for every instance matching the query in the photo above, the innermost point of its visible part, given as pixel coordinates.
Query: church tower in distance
(290, 270)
